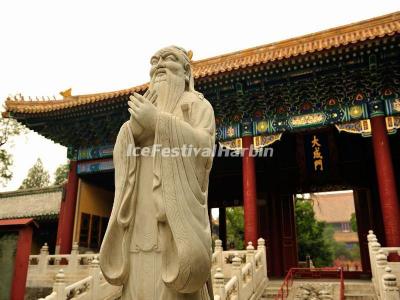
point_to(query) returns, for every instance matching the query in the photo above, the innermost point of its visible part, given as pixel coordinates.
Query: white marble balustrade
(239, 275)
(385, 274)
(92, 287)
(44, 267)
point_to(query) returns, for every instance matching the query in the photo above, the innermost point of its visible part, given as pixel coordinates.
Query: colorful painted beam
(95, 166)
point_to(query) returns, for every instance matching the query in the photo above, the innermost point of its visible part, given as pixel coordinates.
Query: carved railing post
(73, 261)
(249, 252)
(219, 284)
(218, 246)
(95, 273)
(370, 235)
(381, 264)
(390, 289)
(237, 271)
(373, 248)
(59, 285)
(43, 259)
(250, 259)
(219, 250)
(373, 245)
(261, 246)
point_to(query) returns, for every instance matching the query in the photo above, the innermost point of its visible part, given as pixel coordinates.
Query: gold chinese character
(315, 142)
(318, 164)
(317, 154)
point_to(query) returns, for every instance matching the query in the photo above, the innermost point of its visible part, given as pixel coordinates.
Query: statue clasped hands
(143, 111)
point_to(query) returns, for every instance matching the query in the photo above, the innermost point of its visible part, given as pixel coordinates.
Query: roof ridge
(387, 17)
(68, 98)
(31, 191)
(388, 24)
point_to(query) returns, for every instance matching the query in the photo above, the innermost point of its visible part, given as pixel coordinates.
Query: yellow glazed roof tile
(339, 36)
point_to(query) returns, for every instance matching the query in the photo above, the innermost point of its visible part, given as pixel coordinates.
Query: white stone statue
(158, 241)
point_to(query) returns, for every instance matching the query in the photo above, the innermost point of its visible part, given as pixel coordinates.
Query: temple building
(327, 104)
(44, 208)
(336, 210)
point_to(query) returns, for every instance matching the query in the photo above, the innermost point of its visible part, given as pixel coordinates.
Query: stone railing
(236, 274)
(92, 287)
(384, 273)
(239, 274)
(44, 267)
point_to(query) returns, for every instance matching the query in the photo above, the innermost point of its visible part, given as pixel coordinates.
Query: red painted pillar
(67, 212)
(386, 181)
(60, 224)
(249, 193)
(21, 263)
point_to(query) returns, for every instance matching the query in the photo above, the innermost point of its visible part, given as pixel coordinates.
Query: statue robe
(179, 185)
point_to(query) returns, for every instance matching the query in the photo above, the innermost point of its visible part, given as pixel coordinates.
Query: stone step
(354, 290)
(360, 290)
(270, 293)
(360, 296)
(363, 286)
(347, 297)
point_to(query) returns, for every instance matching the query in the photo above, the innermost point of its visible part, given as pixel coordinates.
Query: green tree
(339, 249)
(353, 222)
(61, 174)
(310, 235)
(5, 165)
(355, 252)
(235, 227)
(8, 128)
(37, 177)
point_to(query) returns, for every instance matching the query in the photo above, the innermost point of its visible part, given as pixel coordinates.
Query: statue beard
(169, 90)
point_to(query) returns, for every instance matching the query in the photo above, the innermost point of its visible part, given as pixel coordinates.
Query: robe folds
(179, 191)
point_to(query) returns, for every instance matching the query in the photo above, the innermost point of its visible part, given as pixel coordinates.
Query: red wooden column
(249, 193)
(21, 263)
(67, 212)
(23, 250)
(386, 181)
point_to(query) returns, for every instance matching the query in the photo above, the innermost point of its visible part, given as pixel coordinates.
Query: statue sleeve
(180, 189)
(114, 249)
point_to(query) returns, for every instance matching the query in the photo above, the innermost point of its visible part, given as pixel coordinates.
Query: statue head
(170, 75)
(174, 60)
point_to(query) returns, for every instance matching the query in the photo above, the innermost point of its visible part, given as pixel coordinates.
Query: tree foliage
(353, 222)
(311, 239)
(8, 128)
(61, 174)
(37, 177)
(339, 249)
(235, 227)
(5, 165)
(316, 238)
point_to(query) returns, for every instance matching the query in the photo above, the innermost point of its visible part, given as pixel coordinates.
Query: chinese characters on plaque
(317, 156)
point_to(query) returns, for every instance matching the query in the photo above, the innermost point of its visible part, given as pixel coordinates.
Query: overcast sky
(95, 46)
